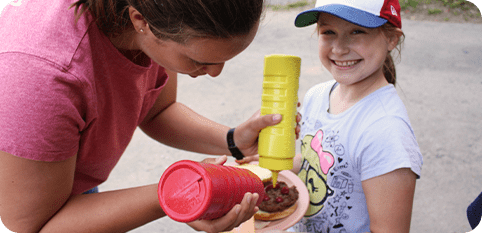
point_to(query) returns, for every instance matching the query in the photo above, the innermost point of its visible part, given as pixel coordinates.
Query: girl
(359, 157)
(77, 78)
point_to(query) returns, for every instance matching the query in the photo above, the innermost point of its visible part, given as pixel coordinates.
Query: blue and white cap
(365, 13)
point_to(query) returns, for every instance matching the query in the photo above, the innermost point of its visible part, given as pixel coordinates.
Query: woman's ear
(393, 38)
(138, 21)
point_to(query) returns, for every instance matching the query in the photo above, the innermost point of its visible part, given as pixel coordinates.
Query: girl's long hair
(389, 66)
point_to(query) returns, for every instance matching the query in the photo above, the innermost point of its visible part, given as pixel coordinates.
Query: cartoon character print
(316, 164)
(333, 197)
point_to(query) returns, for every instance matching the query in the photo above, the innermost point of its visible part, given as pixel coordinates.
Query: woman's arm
(31, 192)
(389, 200)
(35, 196)
(176, 125)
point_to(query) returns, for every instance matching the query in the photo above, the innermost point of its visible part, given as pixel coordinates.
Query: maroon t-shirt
(66, 90)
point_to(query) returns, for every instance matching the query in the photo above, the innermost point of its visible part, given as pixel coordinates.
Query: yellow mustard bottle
(276, 144)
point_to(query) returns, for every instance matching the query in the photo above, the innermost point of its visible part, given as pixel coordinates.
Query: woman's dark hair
(177, 20)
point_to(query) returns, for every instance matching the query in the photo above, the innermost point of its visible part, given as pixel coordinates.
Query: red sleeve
(40, 108)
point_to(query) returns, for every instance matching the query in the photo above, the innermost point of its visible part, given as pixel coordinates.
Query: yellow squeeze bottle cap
(275, 165)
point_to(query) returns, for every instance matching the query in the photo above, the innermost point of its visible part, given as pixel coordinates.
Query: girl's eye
(327, 32)
(358, 31)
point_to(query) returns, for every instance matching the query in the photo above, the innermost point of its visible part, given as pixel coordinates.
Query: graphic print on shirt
(315, 166)
(329, 185)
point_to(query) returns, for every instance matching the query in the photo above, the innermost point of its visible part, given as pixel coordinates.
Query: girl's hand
(298, 119)
(298, 127)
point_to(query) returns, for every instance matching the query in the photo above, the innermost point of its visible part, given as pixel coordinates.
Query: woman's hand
(246, 134)
(238, 214)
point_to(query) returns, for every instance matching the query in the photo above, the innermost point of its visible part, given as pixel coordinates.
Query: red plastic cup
(190, 190)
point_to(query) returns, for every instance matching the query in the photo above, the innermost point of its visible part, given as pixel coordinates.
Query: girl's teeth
(345, 63)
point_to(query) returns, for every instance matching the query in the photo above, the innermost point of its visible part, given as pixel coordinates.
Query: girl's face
(199, 56)
(351, 53)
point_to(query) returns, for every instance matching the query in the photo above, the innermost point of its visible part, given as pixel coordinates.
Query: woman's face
(198, 56)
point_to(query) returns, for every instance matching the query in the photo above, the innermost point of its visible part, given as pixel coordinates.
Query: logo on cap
(394, 12)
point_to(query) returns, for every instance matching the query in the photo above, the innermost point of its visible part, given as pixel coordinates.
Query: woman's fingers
(218, 161)
(248, 159)
(235, 217)
(246, 210)
(257, 122)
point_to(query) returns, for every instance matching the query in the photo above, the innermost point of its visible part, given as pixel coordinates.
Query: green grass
(405, 4)
(462, 4)
(457, 7)
(298, 4)
(434, 11)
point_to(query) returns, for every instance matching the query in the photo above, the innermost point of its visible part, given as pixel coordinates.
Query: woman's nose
(214, 70)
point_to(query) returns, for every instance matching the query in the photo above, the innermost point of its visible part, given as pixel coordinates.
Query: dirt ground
(447, 14)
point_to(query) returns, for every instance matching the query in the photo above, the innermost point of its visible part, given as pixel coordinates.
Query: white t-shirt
(370, 139)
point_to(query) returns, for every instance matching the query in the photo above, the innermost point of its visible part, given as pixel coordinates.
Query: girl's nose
(341, 45)
(214, 70)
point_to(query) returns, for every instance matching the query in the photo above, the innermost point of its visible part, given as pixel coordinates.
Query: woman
(79, 77)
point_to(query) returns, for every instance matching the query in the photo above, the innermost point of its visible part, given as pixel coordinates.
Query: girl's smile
(345, 64)
(354, 55)
(351, 53)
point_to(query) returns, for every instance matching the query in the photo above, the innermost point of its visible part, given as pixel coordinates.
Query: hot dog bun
(263, 173)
